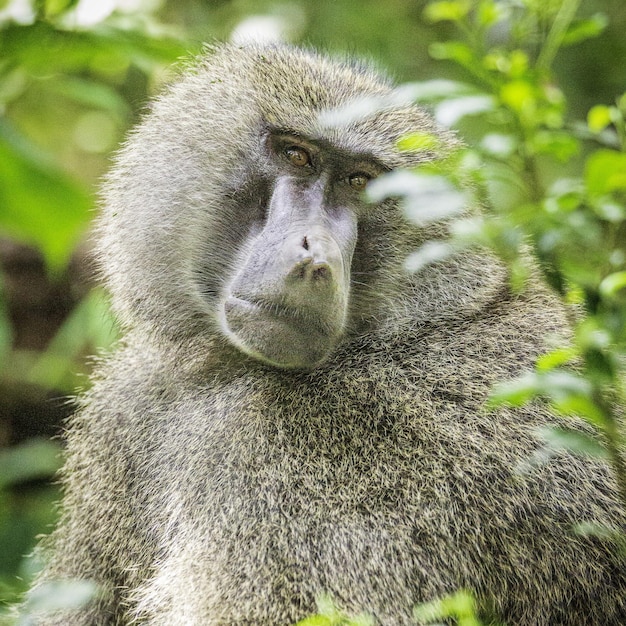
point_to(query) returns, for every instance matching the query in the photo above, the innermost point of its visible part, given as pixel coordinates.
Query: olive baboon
(290, 412)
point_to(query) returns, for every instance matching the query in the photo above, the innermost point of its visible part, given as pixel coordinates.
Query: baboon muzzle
(288, 301)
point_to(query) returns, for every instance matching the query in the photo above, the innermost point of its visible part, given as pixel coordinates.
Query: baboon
(290, 412)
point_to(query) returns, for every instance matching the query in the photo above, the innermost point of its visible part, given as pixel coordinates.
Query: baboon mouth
(277, 334)
(303, 319)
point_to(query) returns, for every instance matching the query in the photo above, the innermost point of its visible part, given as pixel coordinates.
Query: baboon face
(236, 208)
(287, 300)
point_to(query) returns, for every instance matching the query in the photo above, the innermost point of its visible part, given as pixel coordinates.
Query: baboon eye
(298, 156)
(359, 181)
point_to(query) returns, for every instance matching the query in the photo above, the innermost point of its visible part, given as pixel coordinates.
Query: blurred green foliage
(533, 86)
(573, 220)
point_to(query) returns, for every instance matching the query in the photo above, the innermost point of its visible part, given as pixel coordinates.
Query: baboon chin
(291, 414)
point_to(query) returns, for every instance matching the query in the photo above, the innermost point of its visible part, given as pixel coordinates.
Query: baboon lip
(281, 313)
(275, 336)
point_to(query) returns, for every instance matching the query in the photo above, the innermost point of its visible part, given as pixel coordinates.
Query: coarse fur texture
(222, 472)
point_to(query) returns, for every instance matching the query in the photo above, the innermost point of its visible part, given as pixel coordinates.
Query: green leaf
(431, 252)
(59, 595)
(579, 30)
(40, 204)
(315, 620)
(56, 7)
(437, 89)
(580, 405)
(569, 394)
(447, 10)
(516, 392)
(518, 95)
(577, 442)
(598, 118)
(6, 329)
(556, 358)
(461, 606)
(489, 13)
(560, 145)
(418, 142)
(33, 459)
(90, 326)
(449, 112)
(92, 94)
(29, 46)
(606, 533)
(605, 171)
(452, 51)
(613, 285)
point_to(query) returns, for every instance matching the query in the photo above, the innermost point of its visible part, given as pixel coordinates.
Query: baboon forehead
(343, 101)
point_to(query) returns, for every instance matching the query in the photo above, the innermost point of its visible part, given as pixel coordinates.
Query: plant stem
(557, 32)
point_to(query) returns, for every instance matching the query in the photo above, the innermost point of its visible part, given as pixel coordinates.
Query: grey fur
(205, 487)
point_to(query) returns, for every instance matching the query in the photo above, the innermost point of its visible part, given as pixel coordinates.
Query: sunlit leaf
(431, 252)
(460, 606)
(556, 358)
(489, 13)
(60, 595)
(516, 392)
(438, 88)
(613, 285)
(449, 112)
(605, 171)
(434, 198)
(428, 198)
(579, 30)
(609, 210)
(575, 441)
(598, 117)
(315, 620)
(499, 145)
(399, 183)
(418, 142)
(573, 404)
(447, 10)
(360, 108)
(561, 387)
(518, 94)
(55, 7)
(329, 615)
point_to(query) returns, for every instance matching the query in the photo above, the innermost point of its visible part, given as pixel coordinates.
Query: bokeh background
(74, 76)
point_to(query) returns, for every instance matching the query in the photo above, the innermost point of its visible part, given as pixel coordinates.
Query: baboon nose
(310, 269)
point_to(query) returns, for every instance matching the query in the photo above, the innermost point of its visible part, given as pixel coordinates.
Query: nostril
(320, 272)
(309, 270)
